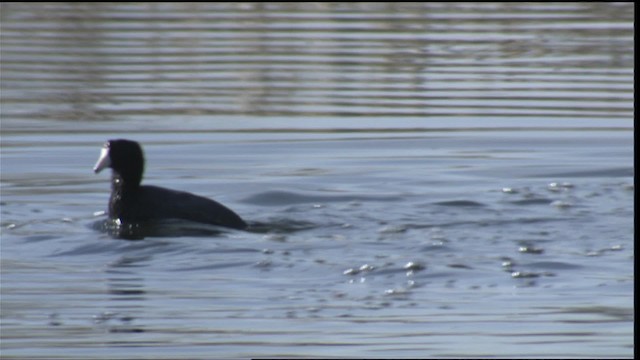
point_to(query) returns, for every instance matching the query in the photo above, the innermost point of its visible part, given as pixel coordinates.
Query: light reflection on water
(102, 61)
(510, 185)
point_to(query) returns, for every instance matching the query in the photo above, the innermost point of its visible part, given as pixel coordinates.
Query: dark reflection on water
(172, 228)
(162, 228)
(106, 61)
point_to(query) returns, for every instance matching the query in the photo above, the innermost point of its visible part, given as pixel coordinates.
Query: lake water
(423, 179)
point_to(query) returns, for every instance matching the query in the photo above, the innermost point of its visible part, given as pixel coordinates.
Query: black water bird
(132, 202)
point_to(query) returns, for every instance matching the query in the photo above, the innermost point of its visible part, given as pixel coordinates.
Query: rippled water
(108, 61)
(423, 179)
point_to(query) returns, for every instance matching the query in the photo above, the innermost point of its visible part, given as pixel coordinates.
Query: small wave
(279, 198)
(534, 201)
(460, 203)
(610, 172)
(280, 226)
(552, 265)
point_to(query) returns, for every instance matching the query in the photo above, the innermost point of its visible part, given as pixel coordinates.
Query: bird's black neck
(120, 184)
(121, 190)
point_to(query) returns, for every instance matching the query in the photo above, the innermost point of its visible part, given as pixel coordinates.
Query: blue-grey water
(423, 179)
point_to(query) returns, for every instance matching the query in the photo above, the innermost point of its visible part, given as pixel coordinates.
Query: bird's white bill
(104, 161)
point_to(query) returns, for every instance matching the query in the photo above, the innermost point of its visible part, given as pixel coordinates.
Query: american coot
(131, 202)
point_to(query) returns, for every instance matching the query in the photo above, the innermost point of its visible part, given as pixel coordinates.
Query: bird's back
(154, 202)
